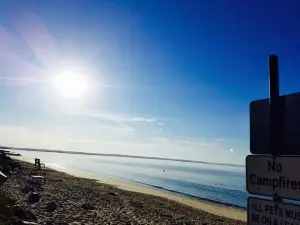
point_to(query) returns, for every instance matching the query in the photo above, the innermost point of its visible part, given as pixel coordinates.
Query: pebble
(34, 197)
(87, 206)
(52, 206)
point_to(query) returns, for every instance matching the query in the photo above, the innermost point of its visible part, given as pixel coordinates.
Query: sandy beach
(66, 199)
(216, 209)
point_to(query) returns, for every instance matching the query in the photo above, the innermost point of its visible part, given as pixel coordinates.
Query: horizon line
(121, 155)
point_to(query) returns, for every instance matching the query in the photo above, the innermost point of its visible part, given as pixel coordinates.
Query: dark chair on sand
(38, 173)
(5, 168)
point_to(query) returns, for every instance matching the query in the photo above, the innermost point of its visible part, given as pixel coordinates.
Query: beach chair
(4, 162)
(2, 157)
(38, 173)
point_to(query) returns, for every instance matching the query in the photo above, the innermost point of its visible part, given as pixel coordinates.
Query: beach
(78, 200)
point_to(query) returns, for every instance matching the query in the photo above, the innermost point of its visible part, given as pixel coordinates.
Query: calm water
(224, 184)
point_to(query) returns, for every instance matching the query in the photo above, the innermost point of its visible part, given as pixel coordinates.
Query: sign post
(273, 170)
(274, 104)
(275, 115)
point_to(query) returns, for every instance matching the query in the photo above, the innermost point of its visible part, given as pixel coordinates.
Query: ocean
(215, 183)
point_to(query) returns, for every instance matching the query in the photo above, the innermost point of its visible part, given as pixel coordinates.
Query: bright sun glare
(71, 85)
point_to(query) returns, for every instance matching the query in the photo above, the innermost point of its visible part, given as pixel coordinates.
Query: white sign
(267, 175)
(271, 213)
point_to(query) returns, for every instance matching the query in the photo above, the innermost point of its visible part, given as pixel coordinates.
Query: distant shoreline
(121, 156)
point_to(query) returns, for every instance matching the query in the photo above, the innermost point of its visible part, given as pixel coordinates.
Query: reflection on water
(225, 184)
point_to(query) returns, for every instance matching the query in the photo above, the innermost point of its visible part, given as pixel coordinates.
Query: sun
(71, 84)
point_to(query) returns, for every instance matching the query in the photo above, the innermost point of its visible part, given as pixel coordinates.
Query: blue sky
(166, 78)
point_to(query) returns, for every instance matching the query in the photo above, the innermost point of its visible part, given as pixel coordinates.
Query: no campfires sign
(268, 175)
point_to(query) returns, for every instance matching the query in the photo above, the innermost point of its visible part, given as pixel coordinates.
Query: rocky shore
(65, 199)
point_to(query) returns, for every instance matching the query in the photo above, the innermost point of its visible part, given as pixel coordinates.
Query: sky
(163, 78)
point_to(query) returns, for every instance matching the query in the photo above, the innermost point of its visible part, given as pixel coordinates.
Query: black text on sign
(272, 213)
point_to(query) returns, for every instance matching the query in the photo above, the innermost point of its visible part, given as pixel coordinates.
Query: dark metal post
(275, 115)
